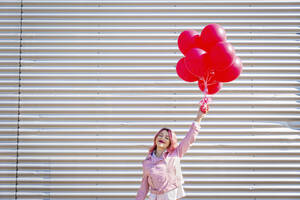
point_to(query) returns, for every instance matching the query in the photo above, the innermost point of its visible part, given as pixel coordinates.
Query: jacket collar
(148, 157)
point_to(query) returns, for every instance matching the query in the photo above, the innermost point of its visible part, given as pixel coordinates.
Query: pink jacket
(164, 174)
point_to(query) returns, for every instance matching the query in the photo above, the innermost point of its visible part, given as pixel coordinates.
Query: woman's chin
(160, 145)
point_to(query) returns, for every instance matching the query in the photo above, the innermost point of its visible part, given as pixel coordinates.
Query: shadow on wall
(292, 122)
(295, 123)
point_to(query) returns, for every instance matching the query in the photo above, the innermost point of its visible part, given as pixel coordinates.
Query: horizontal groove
(139, 49)
(120, 86)
(200, 22)
(154, 96)
(109, 194)
(146, 62)
(256, 86)
(139, 159)
(93, 154)
(141, 144)
(121, 173)
(140, 55)
(152, 9)
(153, 75)
(216, 194)
(286, 59)
(184, 165)
(135, 180)
(130, 195)
(214, 187)
(48, 144)
(283, 90)
(169, 15)
(133, 104)
(137, 83)
(57, 120)
(197, 2)
(184, 159)
(10, 42)
(122, 186)
(277, 73)
(35, 102)
(271, 83)
(159, 42)
(158, 96)
(152, 2)
(144, 55)
(27, 108)
(226, 173)
(145, 28)
(74, 124)
(127, 111)
(192, 151)
(124, 130)
(123, 124)
(149, 79)
(200, 137)
(138, 69)
(143, 35)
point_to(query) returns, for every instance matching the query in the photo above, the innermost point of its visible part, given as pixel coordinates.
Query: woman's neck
(159, 151)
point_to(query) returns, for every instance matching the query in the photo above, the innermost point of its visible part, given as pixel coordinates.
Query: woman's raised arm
(190, 137)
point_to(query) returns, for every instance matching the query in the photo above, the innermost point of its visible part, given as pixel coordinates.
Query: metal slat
(9, 77)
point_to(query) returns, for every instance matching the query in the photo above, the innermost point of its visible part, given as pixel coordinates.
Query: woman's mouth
(161, 141)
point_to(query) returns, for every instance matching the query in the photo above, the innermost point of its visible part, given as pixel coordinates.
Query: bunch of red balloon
(208, 58)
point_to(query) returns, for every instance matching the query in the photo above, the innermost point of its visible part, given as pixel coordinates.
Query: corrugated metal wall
(10, 22)
(98, 79)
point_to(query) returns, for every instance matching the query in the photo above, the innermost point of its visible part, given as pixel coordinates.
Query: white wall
(85, 85)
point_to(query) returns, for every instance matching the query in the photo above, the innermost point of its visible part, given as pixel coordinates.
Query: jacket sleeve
(189, 139)
(144, 187)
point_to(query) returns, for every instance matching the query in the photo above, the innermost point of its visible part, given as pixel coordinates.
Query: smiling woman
(165, 139)
(161, 167)
(162, 141)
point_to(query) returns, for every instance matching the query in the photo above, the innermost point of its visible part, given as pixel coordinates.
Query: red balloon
(183, 73)
(212, 87)
(187, 40)
(231, 73)
(221, 55)
(211, 34)
(197, 61)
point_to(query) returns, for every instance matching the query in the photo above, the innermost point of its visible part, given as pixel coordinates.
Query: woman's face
(163, 140)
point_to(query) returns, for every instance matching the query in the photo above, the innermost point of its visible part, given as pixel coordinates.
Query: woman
(161, 167)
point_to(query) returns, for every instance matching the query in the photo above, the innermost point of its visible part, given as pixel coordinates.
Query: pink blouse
(163, 176)
(177, 193)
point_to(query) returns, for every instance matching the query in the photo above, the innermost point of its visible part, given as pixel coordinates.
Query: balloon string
(206, 99)
(205, 85)
(206, 77)
(209, 79)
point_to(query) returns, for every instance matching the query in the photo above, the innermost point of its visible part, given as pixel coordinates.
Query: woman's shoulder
(148, 156)
(174, 153)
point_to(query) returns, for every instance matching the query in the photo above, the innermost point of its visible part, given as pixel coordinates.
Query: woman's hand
(204, 108)
(202, 111)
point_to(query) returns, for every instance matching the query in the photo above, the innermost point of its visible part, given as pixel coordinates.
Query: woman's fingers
(204, 108)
